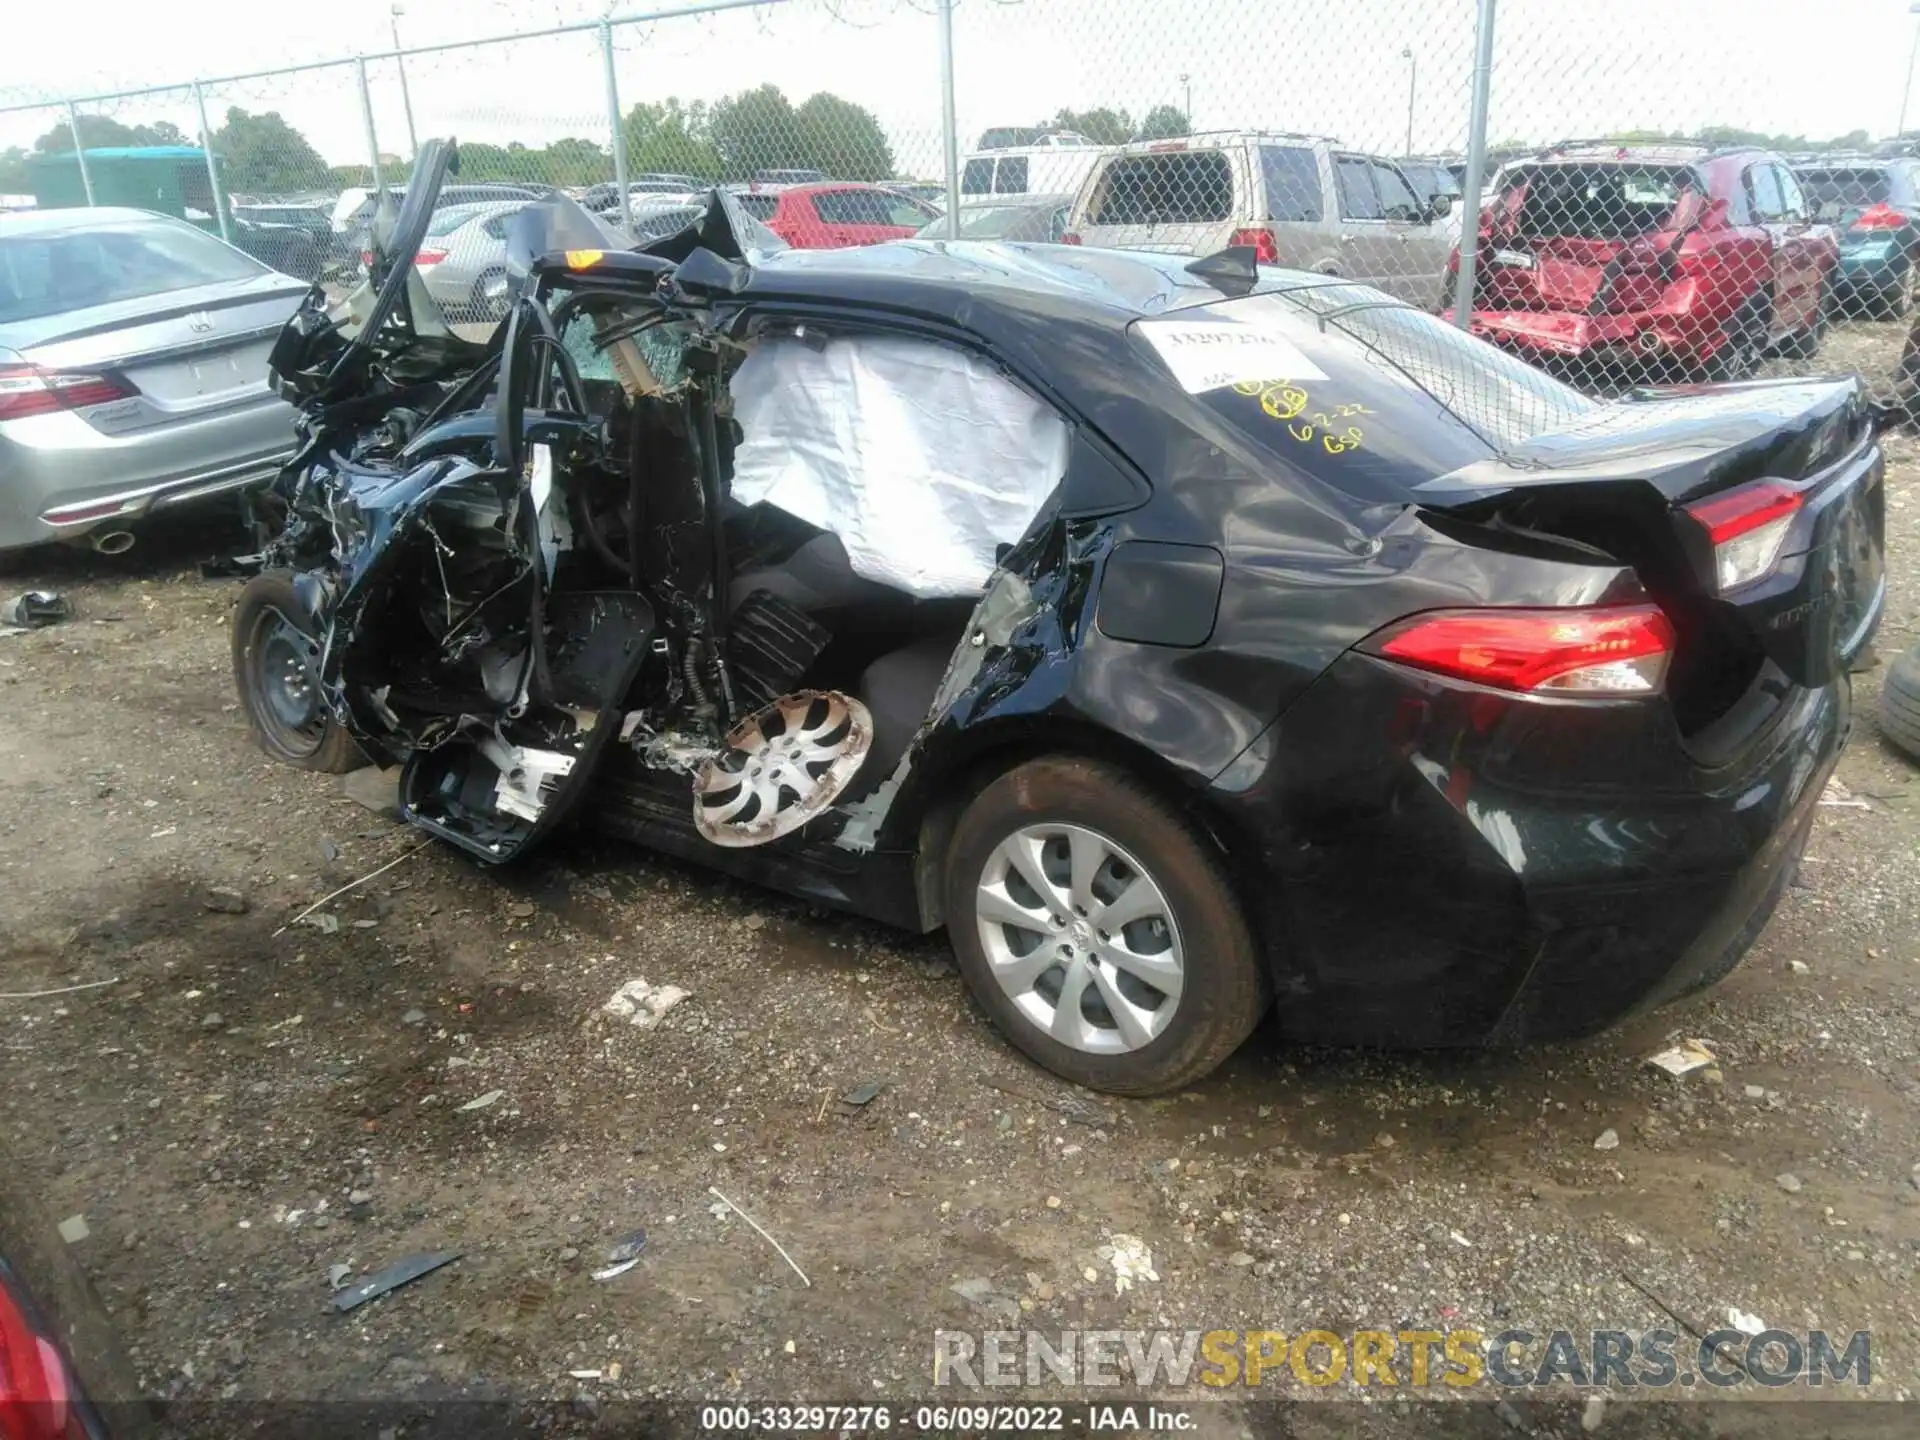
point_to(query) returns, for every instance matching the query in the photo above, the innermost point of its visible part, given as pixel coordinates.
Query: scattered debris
(60, 990)
(979, 1292)
(1131, 1260)
(337, 1276)
(414, 1017)
(74, 1229)
(329, 851)
(378, 790)
(1064, 1103)
(624, 1256)
(584, 1374)
(34, 609)
(1839, 796)
(392, 1278)
(350, 885)
(213, 1021)
(1607, 1139)
(326, 922)
(711, 1190)
(1240, 1259)
(1683, 1059)
(1721, 1349)
(642, 1005)
(1799, 967)
(1754, 1092)
(1594, 1413)
(1746, 1324)
(1511, 1417)
(481, 1102)
(861, 1096)
(223, 901)
(1788, 1182)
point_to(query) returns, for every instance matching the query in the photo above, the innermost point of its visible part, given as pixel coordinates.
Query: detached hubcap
(1080, 937)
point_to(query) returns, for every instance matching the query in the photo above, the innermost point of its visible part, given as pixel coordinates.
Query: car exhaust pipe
(112, 542)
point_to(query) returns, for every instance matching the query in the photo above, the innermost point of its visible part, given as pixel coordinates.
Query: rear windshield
(1833, 193)
(49, 274)
(1366, 394)
(1595, 202)
(1178, 188)
(760, 207)
(449, 219)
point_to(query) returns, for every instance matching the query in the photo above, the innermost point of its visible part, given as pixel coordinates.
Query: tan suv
(1300, 201)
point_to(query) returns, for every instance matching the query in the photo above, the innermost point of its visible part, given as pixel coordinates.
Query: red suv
(833, 216)
(1652, 254)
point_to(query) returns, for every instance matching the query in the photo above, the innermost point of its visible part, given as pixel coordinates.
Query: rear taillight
(429, 257)
(1072, 237)
(1266, 251)
(1747, 528)
(366, 257)
(1615, 651)
(28, 390)
(34, 1398)
(1879, 217)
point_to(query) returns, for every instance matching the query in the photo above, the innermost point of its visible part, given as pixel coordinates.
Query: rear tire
(287, 718)
(1900, 704)
(1739, 353)
(1186, 930)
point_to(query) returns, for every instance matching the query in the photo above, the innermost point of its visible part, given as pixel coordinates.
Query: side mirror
(1440, 207)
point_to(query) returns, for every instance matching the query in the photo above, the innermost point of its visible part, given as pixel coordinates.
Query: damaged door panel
(1425, 693)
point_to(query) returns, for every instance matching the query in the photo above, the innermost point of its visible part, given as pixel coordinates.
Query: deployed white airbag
(919, 456)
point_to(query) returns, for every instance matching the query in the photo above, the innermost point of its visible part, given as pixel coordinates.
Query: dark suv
(1652, 255)
(1874, 205)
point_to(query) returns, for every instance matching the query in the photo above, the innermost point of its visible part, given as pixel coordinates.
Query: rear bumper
(1463, 866)
(1631, 336)
(60, 477)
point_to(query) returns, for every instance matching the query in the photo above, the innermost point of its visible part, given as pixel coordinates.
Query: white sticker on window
(1206, 355)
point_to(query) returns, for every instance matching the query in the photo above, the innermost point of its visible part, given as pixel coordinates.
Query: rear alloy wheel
(490, 295)
(1099, 933)
(273, 654)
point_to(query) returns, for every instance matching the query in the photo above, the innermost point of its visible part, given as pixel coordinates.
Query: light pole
(1413, 85)
(406, 96)
(1186, 88)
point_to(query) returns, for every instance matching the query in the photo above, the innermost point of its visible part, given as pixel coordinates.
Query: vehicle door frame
(1366, 245)
(1783, 302)
(1418, 274)
(1805, 244)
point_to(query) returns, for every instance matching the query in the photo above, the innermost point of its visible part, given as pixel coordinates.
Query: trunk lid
(187, 353)
(1623, 478)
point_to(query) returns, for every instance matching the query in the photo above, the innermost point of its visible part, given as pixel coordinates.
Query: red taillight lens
(1747, 528)
(1072, 237)
(366, 257)
(1879, 217)
(429, 257)
(28, 390)
(1615, 651)
(1265, 250)
(34, 1399)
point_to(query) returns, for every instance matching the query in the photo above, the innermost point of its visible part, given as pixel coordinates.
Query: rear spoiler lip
(1679, 455)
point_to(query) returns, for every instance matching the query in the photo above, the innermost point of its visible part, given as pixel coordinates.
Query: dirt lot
(249, 1105)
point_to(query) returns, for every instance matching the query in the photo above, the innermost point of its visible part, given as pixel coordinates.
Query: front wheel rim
(280, 686)
(1080, 938)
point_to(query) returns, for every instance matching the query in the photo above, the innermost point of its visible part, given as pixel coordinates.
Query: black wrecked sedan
(1185, 637)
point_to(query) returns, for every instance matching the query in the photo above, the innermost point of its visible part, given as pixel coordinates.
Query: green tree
(102, 132)
(1164, 122)
(14, 173)
(756, 130)
(262, 154)
(843, 139)
(671, 138)
(1103, 126)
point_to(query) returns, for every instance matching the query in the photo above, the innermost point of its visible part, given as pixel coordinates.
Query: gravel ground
(250, 1106)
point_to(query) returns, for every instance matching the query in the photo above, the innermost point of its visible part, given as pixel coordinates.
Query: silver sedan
(133, 371)
(463, 259)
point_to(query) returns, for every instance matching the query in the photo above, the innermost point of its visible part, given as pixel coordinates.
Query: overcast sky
(1562, 67)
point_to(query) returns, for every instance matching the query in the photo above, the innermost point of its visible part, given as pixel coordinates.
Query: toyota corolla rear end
(132, 370)
(1587, 686)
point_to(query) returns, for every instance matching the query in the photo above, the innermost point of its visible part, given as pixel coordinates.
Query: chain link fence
(1665, 193)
